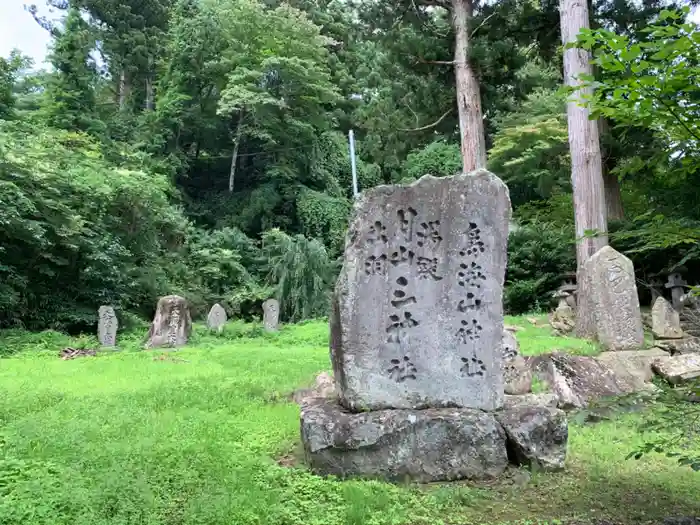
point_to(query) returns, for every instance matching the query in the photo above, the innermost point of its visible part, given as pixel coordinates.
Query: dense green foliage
(199, 147)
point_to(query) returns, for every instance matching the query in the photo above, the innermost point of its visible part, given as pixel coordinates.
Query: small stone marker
(417, 316)
(172, 324)
(510, 347)
(677, 286)
(517, 375)
(609, 276)
(107, 326)
(217, 318)
(665, 320)
(271, 315)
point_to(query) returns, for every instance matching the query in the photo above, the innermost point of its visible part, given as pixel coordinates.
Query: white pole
(352, 164)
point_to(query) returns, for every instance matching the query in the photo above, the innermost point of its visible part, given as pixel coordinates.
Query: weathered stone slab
(417, 317)
(271, 315)
(687, 345)
(578, 380)
(216, 319)
(545, 399)
(107, 326)
(665, 320)
(678, 368)
(172, 324)
(422, 445)
(609, 276)
(537, 436)
(632, 366)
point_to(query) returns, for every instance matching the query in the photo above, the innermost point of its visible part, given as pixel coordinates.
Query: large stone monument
(107, 326)
(416, 338)
(172, 324)
(216, 319)
(617, 318)
(417, 320)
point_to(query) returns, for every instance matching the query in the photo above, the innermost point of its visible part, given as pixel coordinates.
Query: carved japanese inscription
(417, 319)
(609, 276)
(107, 326)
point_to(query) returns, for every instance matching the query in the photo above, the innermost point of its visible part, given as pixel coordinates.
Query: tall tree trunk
(234, 156)
(124, 90)
(150, 98)
(613, 195)
(150, 92)
(471, 122)
(586, 161)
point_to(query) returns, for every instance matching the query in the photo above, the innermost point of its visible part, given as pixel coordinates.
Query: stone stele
(216, 319)
(609, 276)
(172, 324)
(107, 326)
(417, 315)
(271, 314)
(665, 320)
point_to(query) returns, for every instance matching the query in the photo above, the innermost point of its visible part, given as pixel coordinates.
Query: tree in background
(69, 101)
(647, 82)
(268, 82)
(10, 70)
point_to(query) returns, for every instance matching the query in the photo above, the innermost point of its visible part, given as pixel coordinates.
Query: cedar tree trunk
(586, 161)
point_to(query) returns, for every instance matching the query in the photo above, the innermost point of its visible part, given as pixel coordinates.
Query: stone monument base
(432, 444)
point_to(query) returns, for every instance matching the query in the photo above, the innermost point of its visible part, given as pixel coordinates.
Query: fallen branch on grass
(72, 353)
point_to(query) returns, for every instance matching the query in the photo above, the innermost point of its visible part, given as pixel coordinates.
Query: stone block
(678, 369)
(537, 436)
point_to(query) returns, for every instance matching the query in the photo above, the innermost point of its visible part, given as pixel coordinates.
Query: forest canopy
(199, 147)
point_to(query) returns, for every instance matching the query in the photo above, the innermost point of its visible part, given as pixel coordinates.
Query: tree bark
(234, 156)
(613, 195)
(150, 92)
(150, 99)
(586, 160)
(124, 90)
(471, 122)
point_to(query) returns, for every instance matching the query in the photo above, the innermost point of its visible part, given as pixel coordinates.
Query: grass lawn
(192, 437)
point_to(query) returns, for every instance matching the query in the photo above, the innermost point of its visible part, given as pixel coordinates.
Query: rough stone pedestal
(422, 445)
(435, 444)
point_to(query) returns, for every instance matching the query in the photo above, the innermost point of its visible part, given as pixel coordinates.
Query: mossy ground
(194, 437)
